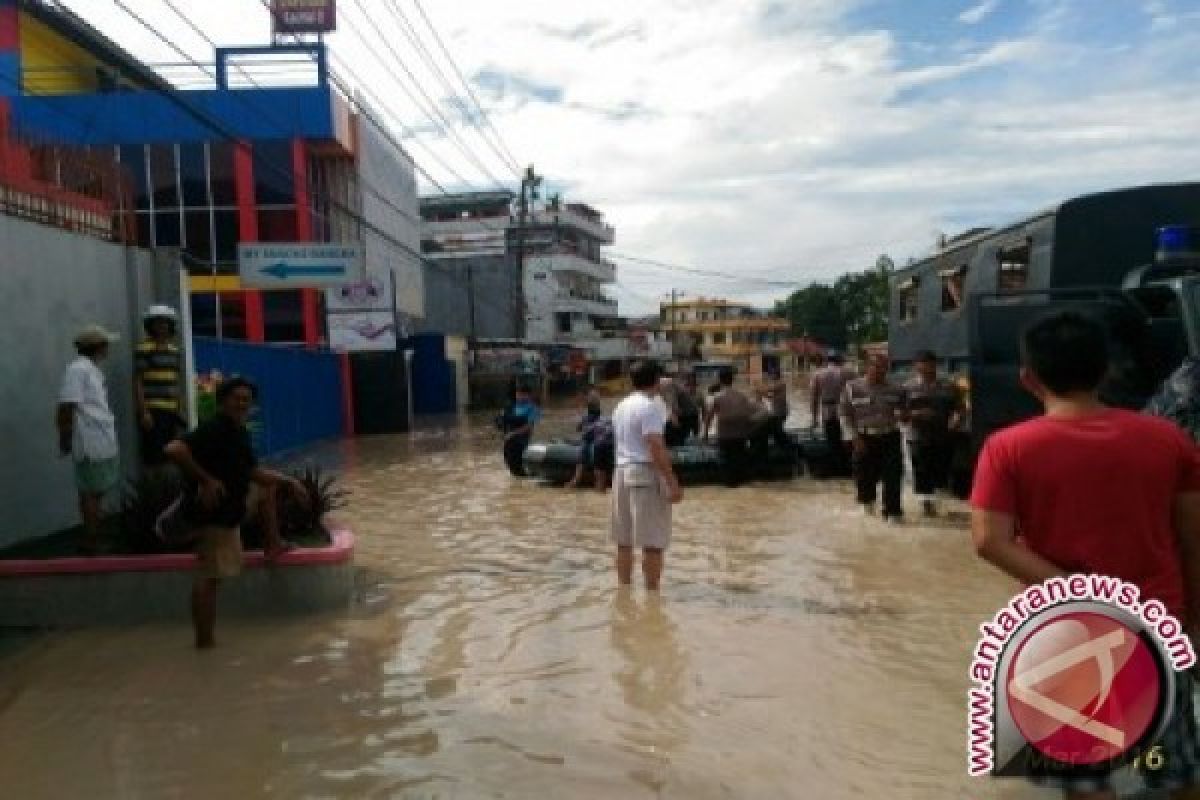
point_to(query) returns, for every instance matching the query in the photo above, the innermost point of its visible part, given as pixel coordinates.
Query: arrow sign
(284, 271)
(295, 265)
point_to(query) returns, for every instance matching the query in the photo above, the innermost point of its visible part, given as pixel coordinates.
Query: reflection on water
(797, 650)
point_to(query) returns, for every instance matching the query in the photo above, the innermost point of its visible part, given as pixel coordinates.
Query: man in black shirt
(219, 466)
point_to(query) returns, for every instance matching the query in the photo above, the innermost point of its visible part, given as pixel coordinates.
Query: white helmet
(160, 312)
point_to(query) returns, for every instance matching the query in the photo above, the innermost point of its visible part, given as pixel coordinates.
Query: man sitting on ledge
(219, 466)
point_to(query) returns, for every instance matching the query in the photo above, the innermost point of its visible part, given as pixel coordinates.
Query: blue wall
(433, 380)
(299, 391)
(149, 117)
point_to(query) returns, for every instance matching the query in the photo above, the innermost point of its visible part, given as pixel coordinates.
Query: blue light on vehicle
(1175, 241)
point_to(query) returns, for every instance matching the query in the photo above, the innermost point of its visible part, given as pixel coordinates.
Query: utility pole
(674, 294)
(471, 301)
(529, 192)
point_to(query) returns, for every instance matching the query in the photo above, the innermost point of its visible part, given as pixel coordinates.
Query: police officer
(871, 410)
(828, 384)
(934, 408)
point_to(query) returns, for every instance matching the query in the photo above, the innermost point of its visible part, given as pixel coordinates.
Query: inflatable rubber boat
(695, 463)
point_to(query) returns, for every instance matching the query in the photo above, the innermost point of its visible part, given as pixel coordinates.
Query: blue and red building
(236, 161)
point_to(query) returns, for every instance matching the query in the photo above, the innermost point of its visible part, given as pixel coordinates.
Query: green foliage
(851, 312)
(144, 500)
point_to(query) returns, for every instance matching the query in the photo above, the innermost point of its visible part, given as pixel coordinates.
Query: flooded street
(797, 651)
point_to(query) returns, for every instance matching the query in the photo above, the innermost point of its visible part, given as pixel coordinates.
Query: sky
(782, 142)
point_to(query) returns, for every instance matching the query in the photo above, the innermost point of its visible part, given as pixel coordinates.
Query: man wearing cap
(872, 409)
(827, 386)
(157, 366)
(87, 429)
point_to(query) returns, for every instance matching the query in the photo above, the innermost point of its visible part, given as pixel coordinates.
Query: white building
(565, 278)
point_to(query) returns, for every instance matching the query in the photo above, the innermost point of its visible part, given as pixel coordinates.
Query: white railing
(572, 219)
(603, 271)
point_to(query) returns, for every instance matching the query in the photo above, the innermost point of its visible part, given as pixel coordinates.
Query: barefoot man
(644, 485)
(219, 466)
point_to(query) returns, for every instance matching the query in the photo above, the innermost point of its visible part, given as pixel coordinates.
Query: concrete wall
(55, 283)
(390, 206)
(450, 285)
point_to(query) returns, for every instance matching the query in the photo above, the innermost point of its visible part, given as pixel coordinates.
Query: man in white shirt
(87, 430)
(644, 484)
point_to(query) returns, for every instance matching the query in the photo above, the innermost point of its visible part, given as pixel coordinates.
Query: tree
(853, 311)
(864, 298)
(815, 311)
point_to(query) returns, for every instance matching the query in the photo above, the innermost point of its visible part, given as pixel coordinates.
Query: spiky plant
(302, 523)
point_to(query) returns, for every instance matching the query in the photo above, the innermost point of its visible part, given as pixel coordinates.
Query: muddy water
(797, 651)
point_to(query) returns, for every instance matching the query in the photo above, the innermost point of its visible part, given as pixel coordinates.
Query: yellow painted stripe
(220, 283)
(160, 375)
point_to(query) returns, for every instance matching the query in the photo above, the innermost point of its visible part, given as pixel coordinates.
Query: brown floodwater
(796, 651)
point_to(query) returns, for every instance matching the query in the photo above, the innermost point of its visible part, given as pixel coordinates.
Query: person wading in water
(644, 484)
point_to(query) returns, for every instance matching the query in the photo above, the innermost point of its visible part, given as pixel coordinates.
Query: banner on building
(361, 331)
(303, 16)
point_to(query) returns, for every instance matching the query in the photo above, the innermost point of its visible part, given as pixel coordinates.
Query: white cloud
(978, 12)
(774, 139)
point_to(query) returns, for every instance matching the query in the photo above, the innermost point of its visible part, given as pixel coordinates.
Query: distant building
(471, 282)
(565, 279)
(473, 245)
(721, 330)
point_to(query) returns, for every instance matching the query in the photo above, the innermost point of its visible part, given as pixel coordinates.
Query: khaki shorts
(219, 551)
(641, 510)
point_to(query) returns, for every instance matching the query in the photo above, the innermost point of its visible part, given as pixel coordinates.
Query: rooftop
(467, 199)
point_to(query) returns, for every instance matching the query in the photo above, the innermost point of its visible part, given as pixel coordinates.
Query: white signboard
(374, 293)
(297, 265)
(354, 332)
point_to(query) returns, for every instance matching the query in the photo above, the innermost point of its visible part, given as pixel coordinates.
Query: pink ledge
(337, 553)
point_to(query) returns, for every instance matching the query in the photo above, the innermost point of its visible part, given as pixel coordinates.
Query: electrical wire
(466, 84)
(445, 126)
(410, 32)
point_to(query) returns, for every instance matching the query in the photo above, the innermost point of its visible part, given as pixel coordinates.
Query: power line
(445, 125)
(466, 84)
(708, 273)
(414, 38)
(359, 217)
(363, 86)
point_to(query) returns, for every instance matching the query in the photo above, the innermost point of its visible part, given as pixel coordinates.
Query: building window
(193, 174)
(562, 322)
(1013, 267)
(907, 292)
(198, 229)
(277, 225)
(718, 338)
(167, 229)
(133, 159)
(225, 236)
(953, 281)
(164, 178)
(283, 316)
(221, 174)
(273, 174)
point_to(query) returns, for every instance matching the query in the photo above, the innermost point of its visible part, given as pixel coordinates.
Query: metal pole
(471, 299)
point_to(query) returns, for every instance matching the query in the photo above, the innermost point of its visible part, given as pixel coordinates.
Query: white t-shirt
(634, 417)
(95, 427)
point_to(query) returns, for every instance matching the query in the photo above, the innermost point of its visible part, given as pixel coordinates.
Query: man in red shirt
(1085, 488)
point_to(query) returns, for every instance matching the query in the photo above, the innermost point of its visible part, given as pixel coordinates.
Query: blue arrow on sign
(284, 270)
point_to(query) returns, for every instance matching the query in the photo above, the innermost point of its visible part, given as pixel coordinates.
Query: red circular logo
(1084, 688)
